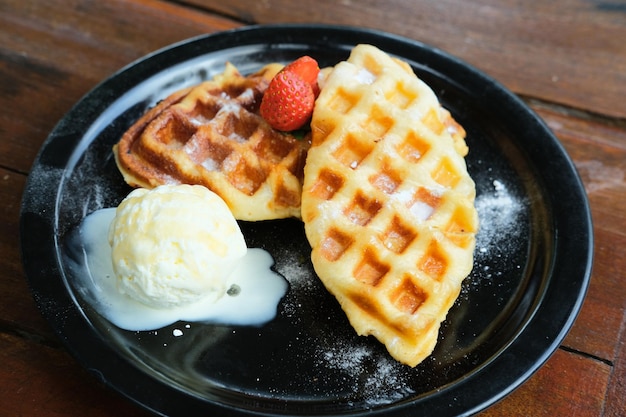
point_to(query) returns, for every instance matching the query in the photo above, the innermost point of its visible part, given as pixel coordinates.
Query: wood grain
(566, 58)
(41, 381)
(54, 52)
(567, 52)
(616, 400)
(17, 308)
(569, 376)
(599, 154)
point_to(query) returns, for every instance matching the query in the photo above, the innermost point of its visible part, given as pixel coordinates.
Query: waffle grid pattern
(388, 203)
(212, 135)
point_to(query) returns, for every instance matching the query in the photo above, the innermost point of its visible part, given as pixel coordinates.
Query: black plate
(532, 264)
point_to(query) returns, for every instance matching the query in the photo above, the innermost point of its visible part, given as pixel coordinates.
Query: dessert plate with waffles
(433, 235)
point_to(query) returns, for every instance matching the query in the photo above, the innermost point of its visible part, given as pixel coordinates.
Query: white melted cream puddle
(251, 300)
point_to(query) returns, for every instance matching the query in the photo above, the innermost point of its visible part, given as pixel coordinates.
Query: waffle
(387, 202)
(211, 134)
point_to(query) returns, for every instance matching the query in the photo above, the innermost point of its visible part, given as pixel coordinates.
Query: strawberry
(306, 67)
(288, 101)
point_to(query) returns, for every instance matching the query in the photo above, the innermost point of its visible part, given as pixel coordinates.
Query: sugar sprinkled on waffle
(387, 202)
(212, 135)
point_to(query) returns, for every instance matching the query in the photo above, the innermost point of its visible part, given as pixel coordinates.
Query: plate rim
(32, 210)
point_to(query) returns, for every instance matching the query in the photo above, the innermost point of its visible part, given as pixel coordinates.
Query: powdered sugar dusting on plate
(367, 374)
(498, 213)
(378, 379)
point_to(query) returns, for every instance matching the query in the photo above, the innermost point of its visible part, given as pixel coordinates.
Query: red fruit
(306, 67)
(288, 102)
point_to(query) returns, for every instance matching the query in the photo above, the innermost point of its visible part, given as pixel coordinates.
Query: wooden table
(566, 59)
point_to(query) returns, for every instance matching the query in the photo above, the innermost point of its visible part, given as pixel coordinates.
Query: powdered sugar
(294, 267)
(498, 212)
(498, 241)
(363, 76)
(377, 378)
(366, 374)
(421, 211)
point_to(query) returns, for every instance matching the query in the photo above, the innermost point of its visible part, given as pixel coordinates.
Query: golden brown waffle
(388, 203)
(212, 135)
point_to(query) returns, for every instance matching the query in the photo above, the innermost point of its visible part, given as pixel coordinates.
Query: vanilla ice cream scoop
(174, 244)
